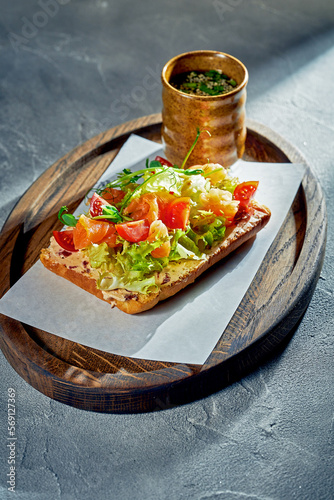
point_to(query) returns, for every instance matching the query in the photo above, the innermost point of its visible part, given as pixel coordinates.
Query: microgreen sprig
(196, 171)
(153, 164)
(67, 219)
(139, 188)
(213, 171)
(125, 178)
(111, 213)
(193, 145)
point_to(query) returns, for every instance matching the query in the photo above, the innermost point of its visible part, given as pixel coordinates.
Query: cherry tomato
(96, 205)
(134, 231)
(245, 191)
(177, 213)
(159, 230)
(65, 239)
(163, 161)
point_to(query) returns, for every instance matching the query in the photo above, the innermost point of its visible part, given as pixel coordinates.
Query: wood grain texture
(94, 380)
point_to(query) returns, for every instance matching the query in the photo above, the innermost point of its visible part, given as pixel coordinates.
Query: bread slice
(176, 276)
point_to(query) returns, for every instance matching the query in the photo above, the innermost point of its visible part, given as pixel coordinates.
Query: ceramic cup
(223, 115)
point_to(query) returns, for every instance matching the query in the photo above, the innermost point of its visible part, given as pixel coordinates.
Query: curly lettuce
(182, 247)
(210, 230)
(100, 256)
(132, 266)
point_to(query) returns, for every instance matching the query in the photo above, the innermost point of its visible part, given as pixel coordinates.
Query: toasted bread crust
(133, 303)
(84, 282)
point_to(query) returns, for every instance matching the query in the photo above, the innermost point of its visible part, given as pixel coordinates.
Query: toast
(142, 242)
(173, 278)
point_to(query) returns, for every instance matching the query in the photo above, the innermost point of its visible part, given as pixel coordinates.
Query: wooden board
(93, 380)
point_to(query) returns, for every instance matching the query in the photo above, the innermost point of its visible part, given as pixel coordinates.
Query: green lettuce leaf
(137, 257)
(110, 282)
(167, 179)
(183, 247)
(209, 234)
(229, 184)
(100, 256)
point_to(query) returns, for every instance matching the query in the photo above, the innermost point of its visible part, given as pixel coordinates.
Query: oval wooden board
(93, 380)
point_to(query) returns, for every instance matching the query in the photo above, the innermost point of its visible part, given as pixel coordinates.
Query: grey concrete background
(72, 68)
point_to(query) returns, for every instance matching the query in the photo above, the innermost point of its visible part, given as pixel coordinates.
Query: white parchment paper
(186, 327)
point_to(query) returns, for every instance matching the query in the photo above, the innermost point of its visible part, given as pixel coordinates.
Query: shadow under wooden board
(98, 381)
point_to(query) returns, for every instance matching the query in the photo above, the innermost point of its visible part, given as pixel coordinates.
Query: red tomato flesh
(65, 240)
(163, 161)
(150, 206)
(96, 205)
(177, 213)
(173, 212)
(245, 191)
(134, 231)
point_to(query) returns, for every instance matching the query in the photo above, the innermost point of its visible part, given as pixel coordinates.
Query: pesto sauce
(203, 83)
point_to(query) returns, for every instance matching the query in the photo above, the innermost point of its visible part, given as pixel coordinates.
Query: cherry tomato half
(134, 231)
(65, 240)
(163, 161)
(177, 213)
(96, 204)
(245, 191)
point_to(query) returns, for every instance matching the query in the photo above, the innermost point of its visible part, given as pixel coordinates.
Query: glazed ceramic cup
(223, 115)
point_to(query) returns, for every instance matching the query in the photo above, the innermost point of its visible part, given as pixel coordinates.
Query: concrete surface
(72, 68)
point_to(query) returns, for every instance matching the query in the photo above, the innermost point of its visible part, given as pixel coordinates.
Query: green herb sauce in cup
(204, 83)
